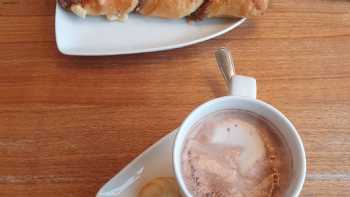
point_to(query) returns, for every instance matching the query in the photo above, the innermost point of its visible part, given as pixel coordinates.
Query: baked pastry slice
(160, 187)
(231, 8)
(171, 9)
(112, 9)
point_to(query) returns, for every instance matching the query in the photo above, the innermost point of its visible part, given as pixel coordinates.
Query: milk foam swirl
(235, 153)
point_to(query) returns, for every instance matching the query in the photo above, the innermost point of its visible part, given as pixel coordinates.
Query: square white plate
(96, 36)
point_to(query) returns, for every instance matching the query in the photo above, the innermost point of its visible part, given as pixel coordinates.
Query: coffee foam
(233, 153)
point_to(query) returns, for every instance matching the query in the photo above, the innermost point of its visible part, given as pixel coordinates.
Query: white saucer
(156, 161)
(96, 36)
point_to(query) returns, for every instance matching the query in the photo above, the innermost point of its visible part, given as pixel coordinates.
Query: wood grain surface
(68, 124)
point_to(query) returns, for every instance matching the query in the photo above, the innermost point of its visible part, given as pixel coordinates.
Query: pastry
(231, 8)
(160, 187)
(112, 9)
(170, 9)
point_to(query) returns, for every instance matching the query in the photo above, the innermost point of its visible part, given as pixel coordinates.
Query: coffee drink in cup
(235, 153)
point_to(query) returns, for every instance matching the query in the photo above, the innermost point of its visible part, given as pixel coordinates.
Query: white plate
(97, 36)
(156, 161)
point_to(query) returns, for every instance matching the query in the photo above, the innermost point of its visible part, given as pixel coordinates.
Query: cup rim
(178, 145)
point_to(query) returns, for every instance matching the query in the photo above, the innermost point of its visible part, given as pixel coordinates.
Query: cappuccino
(235, 153)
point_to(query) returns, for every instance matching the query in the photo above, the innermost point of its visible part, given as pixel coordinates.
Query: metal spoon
(225, 63)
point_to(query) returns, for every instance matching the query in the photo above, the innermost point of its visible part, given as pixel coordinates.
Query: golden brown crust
(160, 187)
(200, 13)
(66, 4)
(110, 7)
(171, 9)
(113, 9)
(236, 8)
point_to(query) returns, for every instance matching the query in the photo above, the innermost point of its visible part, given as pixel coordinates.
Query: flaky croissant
(171, 9)
(112, 9)
(235, 8)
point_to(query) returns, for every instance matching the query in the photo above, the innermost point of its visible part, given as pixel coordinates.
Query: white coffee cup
(243, 97)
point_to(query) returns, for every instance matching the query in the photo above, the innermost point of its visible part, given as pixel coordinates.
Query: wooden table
(68, 124)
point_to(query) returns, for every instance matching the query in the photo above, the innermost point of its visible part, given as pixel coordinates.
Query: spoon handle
(225, 63)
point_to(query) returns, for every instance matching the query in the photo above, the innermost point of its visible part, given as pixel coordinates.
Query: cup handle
(242, 86)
